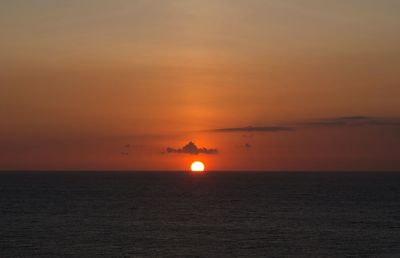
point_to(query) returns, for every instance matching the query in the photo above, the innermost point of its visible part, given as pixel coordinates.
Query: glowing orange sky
(81, 80)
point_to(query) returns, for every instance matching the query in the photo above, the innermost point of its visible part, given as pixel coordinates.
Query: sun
(197, 166)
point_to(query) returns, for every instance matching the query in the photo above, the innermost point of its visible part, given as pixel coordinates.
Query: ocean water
(177, 214)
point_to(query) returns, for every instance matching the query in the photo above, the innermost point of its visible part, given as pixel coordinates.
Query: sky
(238, 84)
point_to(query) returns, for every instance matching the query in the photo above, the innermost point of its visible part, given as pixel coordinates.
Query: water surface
(176, 214)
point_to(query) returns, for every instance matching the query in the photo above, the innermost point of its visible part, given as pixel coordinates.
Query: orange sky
(80, 80)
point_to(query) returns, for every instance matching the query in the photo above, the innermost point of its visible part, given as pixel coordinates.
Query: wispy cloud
(342, 121)
(352, 121)
(191, 148)
(254, 129)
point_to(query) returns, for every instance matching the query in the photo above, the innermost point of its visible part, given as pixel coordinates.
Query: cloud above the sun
(192, 149)
(343, 122)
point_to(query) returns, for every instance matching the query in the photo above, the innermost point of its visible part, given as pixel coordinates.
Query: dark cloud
(342, 121)
(254, 129)
(350, 121)
(191, 148)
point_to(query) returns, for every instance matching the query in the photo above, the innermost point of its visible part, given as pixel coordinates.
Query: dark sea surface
(178, 214)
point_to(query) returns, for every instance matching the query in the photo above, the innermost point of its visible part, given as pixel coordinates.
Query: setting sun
(197, 166)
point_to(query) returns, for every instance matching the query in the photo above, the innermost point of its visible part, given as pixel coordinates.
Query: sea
(213, 214)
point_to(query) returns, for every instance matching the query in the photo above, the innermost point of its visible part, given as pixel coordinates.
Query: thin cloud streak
(335, 122)
(353, 121)
(254, 129)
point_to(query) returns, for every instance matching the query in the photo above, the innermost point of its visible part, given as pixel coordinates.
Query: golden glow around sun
(197, 166)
